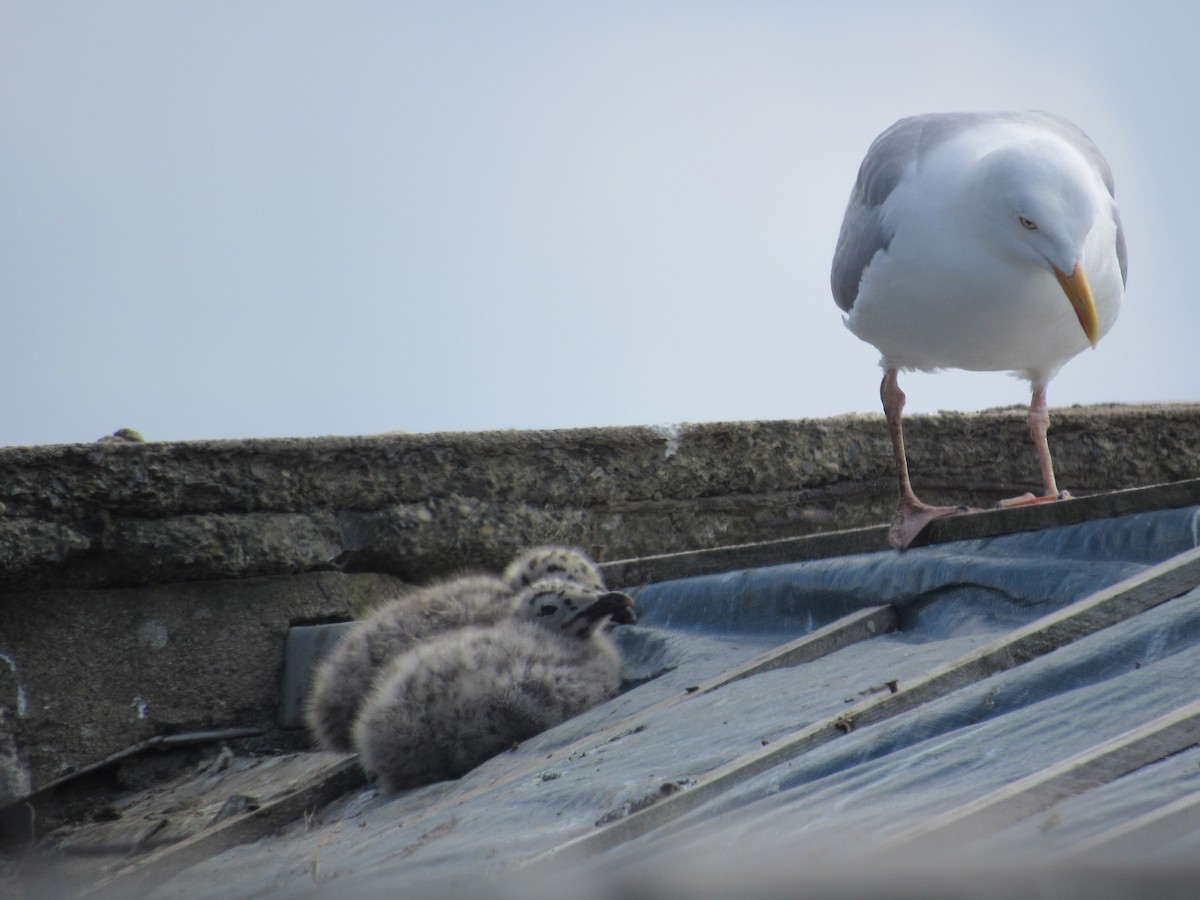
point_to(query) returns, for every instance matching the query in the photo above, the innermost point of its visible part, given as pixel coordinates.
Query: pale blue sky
(259, 219)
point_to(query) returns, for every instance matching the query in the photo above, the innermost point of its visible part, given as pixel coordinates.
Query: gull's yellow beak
(1079, 292)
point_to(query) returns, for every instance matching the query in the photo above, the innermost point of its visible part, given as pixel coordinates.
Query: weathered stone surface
(85, 674)
(419, 505)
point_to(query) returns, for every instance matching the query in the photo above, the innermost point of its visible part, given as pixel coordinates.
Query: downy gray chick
(446, 706)
(552, 561)
(343, 679)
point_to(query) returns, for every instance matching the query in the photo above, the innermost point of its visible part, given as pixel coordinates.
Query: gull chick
(447, 705)
(343, 679)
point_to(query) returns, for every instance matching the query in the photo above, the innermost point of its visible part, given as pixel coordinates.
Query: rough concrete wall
(166, 575)
(92, 672)
(418, 505)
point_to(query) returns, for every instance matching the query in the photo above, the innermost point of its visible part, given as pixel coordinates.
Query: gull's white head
(1039, 199)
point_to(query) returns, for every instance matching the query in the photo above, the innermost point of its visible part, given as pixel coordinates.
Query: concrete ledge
(416, 506)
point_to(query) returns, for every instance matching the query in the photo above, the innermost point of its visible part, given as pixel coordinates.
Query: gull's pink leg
(911, 515)
(1039, 424)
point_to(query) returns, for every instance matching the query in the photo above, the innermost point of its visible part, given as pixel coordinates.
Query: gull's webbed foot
(1030, 499)
(912, 516)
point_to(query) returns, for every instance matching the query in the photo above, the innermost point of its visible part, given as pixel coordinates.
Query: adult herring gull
(980, 241)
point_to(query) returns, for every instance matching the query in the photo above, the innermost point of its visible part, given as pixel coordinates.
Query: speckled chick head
(569, 608)
(566, 563)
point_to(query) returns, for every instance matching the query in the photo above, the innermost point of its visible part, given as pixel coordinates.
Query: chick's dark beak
(614, 604)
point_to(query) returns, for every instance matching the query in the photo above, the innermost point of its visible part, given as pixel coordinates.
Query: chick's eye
(548, 609)
(1027, 223)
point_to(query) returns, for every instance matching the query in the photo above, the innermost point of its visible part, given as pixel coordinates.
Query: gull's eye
(1027, 223)
(548, 609)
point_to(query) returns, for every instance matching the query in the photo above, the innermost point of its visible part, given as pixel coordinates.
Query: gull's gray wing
(863, 233)
(1122, 253)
